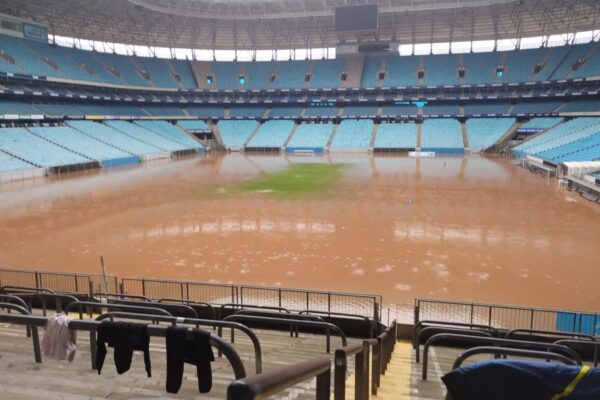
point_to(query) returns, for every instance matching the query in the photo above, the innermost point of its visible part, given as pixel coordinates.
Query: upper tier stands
(396, 136)
(311, 136)
(235, 133)
(441, 134)
(36, 58)
(272, 134)
(353, 134)
(485, 132)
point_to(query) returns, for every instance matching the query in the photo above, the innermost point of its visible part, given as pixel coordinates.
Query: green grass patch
(298, 180)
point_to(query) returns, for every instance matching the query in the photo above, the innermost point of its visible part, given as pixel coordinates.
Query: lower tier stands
(574, 140)
(311, 137)
(541, 123)
(482, 133)
(236, 133)
(272, 134)
(170, 132)
(9, 163)
(353, 134)
(442, 135)
(396, 136)
(193, 125)
(146, 136)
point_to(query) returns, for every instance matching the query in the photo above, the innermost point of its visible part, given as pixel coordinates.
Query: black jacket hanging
(124, 337)
(192, 347)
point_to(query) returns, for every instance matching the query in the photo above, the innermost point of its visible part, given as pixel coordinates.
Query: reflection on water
(470, 228)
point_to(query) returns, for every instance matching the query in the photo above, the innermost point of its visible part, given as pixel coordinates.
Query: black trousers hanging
(192, 347)
(124, 337)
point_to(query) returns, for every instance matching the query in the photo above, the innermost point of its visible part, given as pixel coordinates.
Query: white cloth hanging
(59, 342)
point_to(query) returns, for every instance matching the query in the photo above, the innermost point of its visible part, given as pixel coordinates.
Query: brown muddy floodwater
(470, 228)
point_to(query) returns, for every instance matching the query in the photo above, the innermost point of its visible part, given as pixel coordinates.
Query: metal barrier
(595, 345)
(499, 316)
(108, 296)
(293, 329)
(382, 354)
(262, 386)
(190, 303)
(436, 329)
(116, 307)
(35, 338)
(368, 305)
(555, 348)
(25, 289)
(372, 323)
(179, 309)
(197, 322)
(43, 296)
(294, 322)
(516, 332)
(213, 293)
(153, 330)
(361, 371)
(417, 328)
(506, 351)
(58, 281)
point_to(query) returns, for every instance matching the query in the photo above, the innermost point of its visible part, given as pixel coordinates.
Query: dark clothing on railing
(124, 337)
(192, 347)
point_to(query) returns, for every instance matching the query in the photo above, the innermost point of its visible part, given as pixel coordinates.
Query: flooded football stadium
(465, 228)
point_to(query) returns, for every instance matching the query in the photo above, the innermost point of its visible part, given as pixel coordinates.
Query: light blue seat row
(26, 58)
(163, 110)
(8, 163)
(574, 54)
(441, 109)
(66, 67)
(170, 132)
(519, 65)
(144, 135)
(483, 133)
(183, 69)
(36, 150)
(16, 107)
(158, 70)
(443, 133)
(227, 74)
(360, 110)
(285, 111)
(326, 73)
(193, 125)
(394, 110)
(480, 68)
(247, 111)
(235, 133)
(58, 109)
(553, 59)
(113, 137)
(371, 70)
(321, 111)
(396, 136)
(291, 74)
(257, 74)
(79, 143)
(125, 67)
(205, 111)
(581, 106)
(272, 134)
(541, 123)
(401, 71)
(441, 70)
(311, 136)
(486, 108)
(533, 107)
(353, 133)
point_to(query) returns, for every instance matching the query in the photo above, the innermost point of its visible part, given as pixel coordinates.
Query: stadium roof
(288, 24)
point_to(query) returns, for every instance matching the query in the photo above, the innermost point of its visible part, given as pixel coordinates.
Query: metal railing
(520, 344)
(361, 371)
(262, 386)
(383, 347)
(294, 323)
(153, 330)
(35, 338)
(507, 351)
(367, 305)
(506, 316)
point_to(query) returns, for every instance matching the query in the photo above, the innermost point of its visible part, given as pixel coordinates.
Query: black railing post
(341, 368)
(279, 295)
(367, 354)
(532, 315)
(489, 316)
(375, 368)
(181, 291)
(329, 303)
(324, 385)
(38, 280)
(187, 291)
(143, 287)
(307, 302)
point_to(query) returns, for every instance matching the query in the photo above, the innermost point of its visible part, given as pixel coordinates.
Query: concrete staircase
(254, 132)
(465, 137)
(290, 136)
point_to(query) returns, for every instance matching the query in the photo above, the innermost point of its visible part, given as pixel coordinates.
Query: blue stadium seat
(235, 133)
(483, 133)
(310, 137)
(9, 163)
(396, 136)
(272, 134)
(171, 132)
(326, 73)
(371, 70)
(353, 134)
(441, 135)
